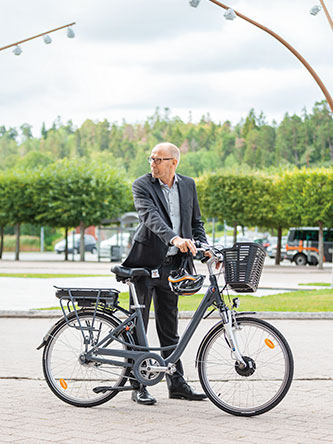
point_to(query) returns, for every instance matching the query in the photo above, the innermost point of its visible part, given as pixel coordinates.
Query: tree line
(305, 140)
(78, 193)
(67, 194)
(290, 199)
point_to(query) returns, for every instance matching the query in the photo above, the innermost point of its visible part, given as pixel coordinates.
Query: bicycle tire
(67, 377)
(248, 392)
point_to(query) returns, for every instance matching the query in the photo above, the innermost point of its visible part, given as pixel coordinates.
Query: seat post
(133, 294)
(140, 328)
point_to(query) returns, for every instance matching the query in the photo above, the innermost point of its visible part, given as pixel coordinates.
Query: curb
(50, 314)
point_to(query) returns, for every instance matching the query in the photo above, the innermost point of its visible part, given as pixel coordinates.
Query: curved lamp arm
(287, 45)
(327, 13)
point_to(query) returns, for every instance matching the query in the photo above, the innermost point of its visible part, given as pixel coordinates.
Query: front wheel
(265, 380)
(68, 374)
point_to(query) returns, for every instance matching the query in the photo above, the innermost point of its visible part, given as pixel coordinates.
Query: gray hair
(172, 149)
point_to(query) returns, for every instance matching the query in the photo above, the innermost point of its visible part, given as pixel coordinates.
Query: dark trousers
(166, 309)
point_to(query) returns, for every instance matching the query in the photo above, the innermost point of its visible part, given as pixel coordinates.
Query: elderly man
(169, 214)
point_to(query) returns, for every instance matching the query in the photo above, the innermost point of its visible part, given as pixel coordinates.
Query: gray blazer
(152, 237)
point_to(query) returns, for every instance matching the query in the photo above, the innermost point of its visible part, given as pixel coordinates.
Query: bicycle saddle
(128, 273)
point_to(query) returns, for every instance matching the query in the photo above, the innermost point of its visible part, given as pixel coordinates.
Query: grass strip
(317, 284)
(301, 301)
(50, 275)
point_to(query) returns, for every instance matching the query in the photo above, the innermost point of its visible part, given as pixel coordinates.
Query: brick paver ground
(30, 412)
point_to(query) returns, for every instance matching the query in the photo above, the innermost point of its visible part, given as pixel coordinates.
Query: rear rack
(87, 297)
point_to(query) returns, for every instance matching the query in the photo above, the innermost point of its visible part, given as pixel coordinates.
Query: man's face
(166, 169)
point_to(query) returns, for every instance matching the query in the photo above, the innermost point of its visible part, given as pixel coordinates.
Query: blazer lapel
(159, 192)
(182, 198)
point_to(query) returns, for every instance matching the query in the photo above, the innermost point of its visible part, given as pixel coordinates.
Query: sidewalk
(30, 413)
(17, 294)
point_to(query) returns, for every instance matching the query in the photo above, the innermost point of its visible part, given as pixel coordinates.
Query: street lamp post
(287, 45)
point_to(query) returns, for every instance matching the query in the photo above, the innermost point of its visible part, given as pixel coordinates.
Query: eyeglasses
(158, 160)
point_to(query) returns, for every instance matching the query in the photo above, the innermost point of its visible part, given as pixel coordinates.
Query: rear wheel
(300, 259)
(68, 374)
(313, 261)
(258, 387)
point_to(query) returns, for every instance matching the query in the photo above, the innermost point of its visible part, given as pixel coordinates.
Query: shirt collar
(165, 185)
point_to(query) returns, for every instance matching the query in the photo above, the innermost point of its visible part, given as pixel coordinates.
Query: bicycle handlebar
(216, 253)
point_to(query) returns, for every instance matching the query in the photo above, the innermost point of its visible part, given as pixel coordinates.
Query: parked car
(228, 241)
(264, 241)
(106, 247)
(271, 250)
(89, 244)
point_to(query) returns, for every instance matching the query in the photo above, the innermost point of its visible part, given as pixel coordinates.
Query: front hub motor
(249, 368)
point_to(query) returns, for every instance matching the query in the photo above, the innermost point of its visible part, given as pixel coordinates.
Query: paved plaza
(30, 412)
(17, 294)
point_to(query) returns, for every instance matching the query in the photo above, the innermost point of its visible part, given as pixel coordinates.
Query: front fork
(231, 336)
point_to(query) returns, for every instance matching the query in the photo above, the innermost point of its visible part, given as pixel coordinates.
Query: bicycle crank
(149, 369)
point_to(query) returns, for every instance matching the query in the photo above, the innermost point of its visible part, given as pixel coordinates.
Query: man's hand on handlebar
(207, 252)
(185, 245)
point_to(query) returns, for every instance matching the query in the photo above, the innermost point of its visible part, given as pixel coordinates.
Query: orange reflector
(63, 384)
(269, 343)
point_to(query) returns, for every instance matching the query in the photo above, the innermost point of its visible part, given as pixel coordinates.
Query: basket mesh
(243, 266)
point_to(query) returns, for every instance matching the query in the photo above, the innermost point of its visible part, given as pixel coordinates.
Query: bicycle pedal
(102, 389)
(106, 388)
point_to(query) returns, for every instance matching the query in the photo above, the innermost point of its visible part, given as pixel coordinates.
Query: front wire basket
(243, 264)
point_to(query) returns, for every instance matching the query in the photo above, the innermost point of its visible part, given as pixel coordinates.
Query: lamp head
(230, 14)
(17, 50)
(70, 33)
(194, 3)
(47, 39)
(315, 9)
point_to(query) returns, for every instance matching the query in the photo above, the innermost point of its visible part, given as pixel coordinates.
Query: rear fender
(71, 315)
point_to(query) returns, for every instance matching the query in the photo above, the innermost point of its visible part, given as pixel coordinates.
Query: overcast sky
(131, 56)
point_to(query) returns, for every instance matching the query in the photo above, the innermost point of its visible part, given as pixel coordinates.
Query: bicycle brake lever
(204, 259)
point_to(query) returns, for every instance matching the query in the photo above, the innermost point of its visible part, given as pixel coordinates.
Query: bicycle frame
(245, 365)
(138, 350)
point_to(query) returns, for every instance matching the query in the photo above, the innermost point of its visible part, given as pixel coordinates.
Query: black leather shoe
(184, 391)
(141, 396)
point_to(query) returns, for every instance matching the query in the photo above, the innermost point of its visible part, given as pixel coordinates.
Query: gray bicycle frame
(212, 294)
